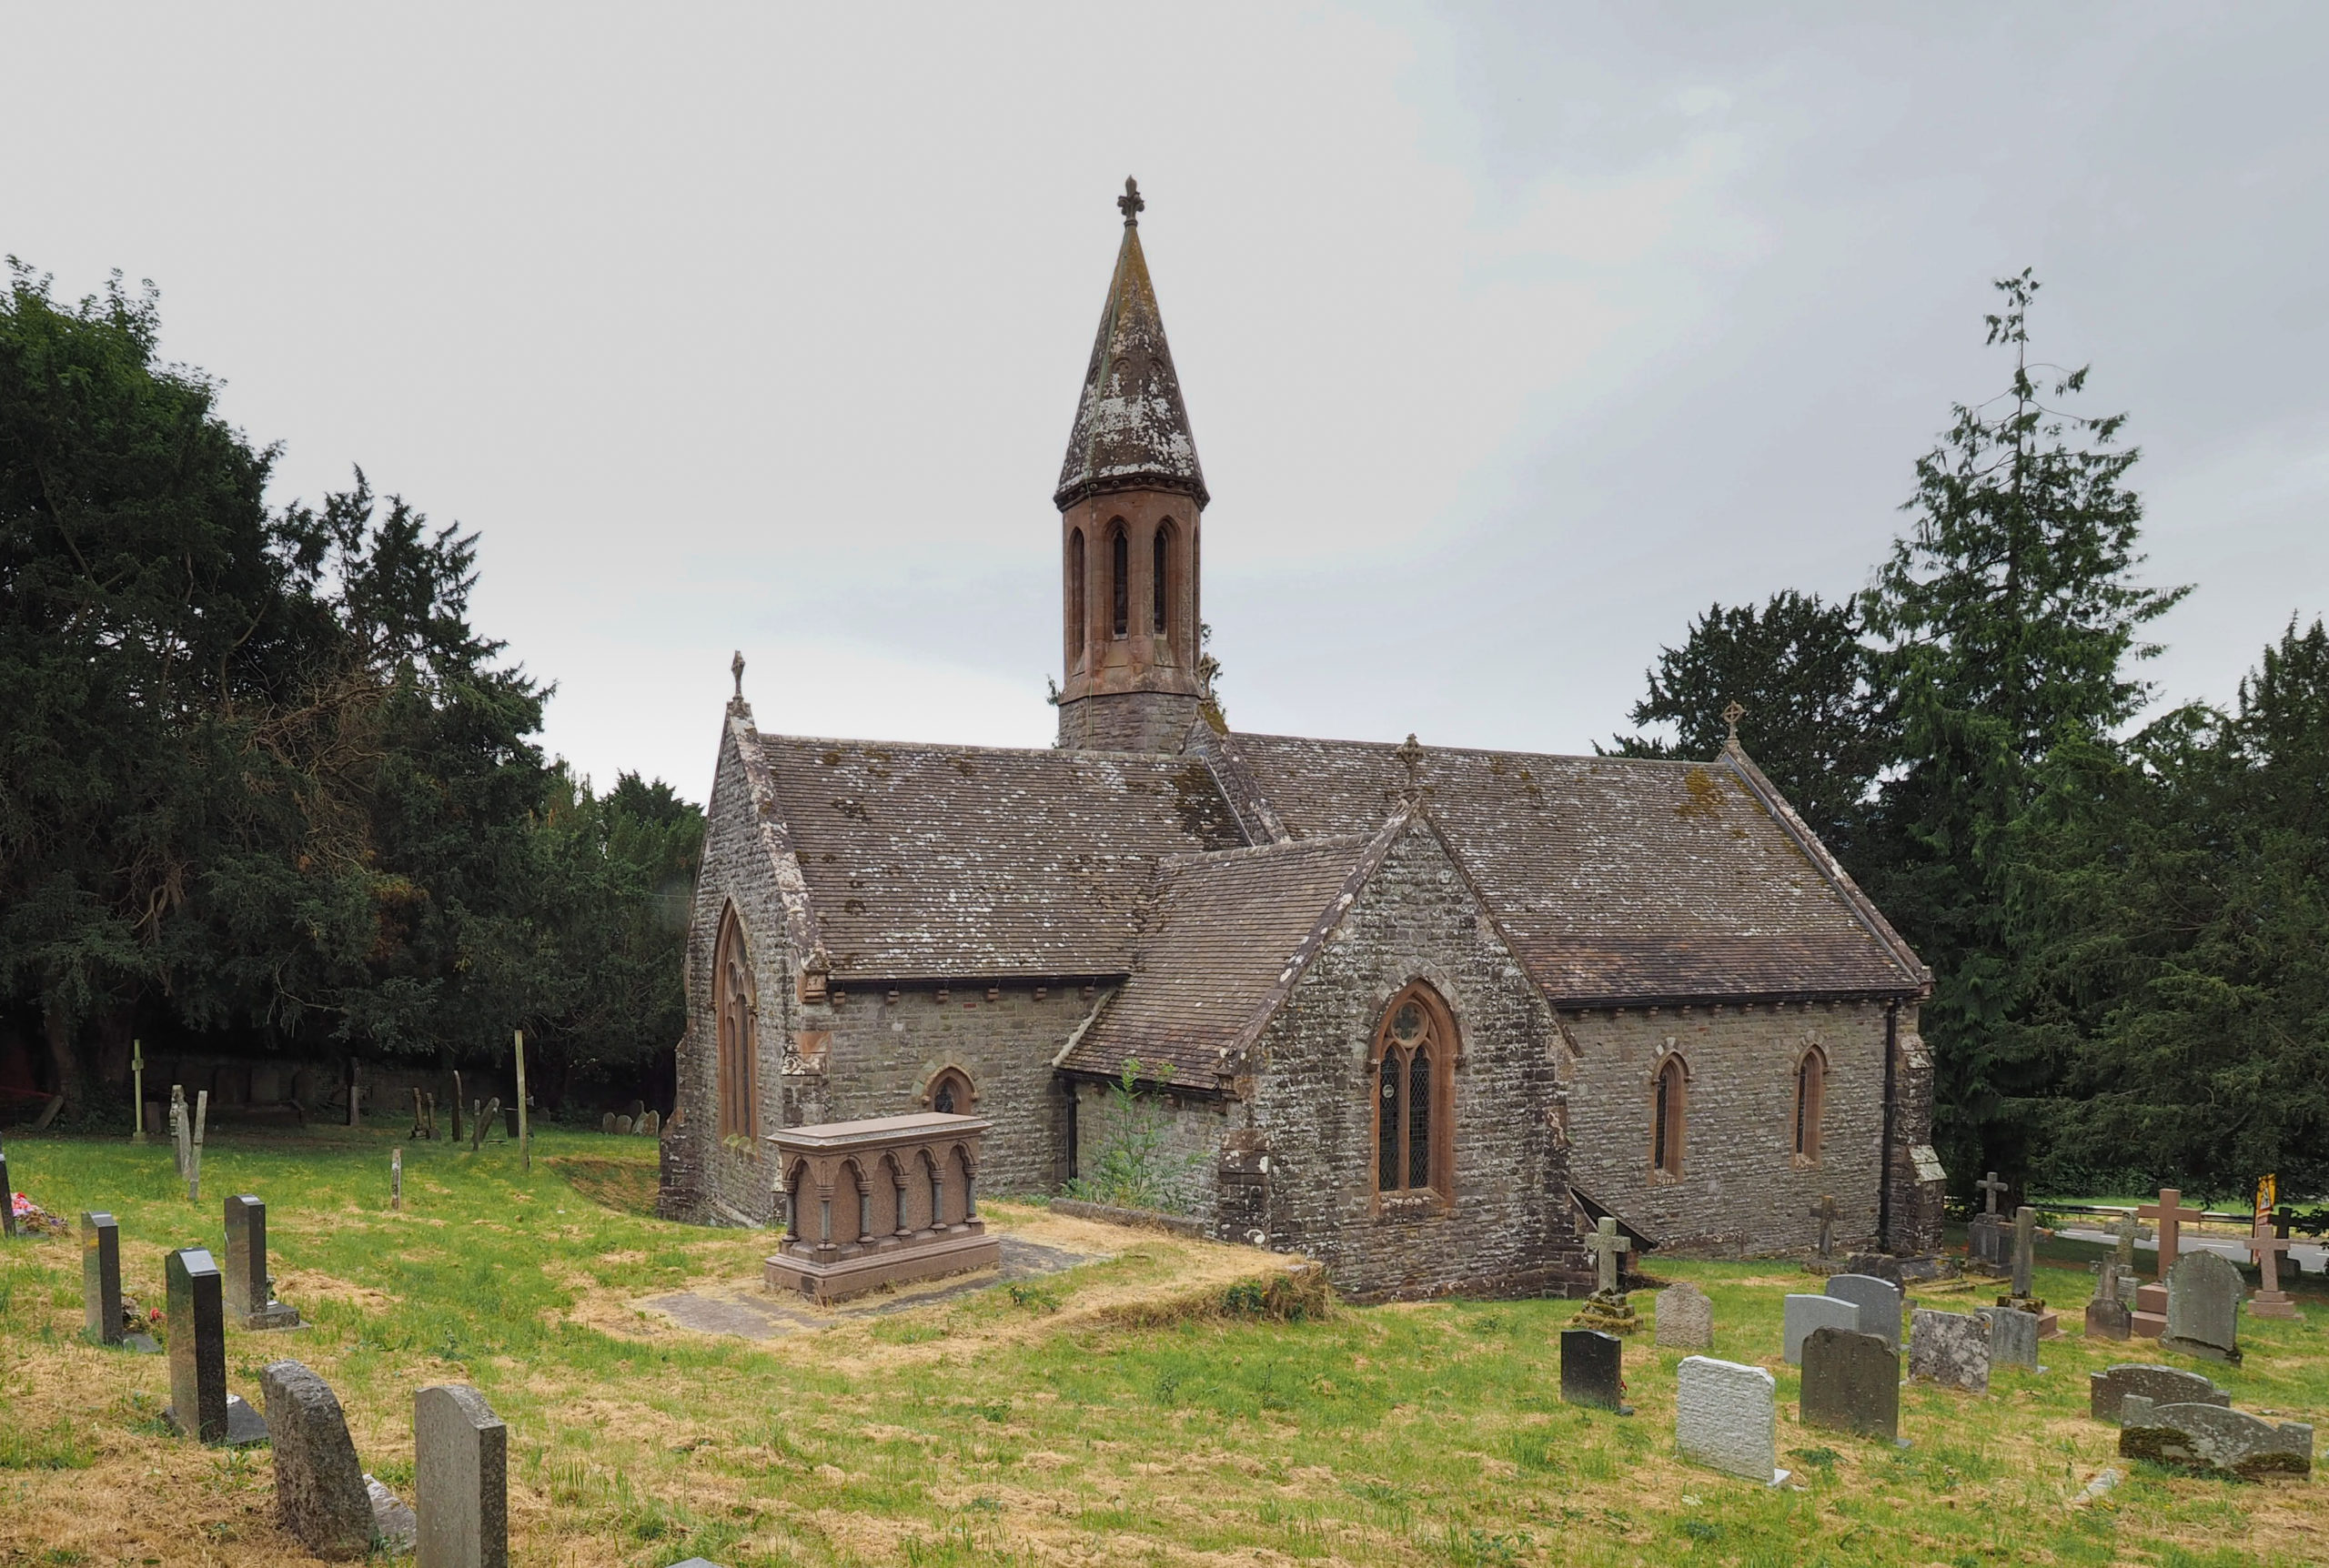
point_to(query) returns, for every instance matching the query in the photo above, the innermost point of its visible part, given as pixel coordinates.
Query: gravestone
(2151, 1300)
(393, 1519)
(319, 1493)
(2161, 1385)
(1987, 1237)
(652, 1125)
(1876, 1266)
(606, 1123)
(1805, 1314)
(1593, 1370)
(460, 1455)
(100, 1277)
(2203, 1307)
(2107, 1316)
(1827, 1214)
(250, 1294)
(1879, 1303)
(1726, 1416)
(483, 1119)
(509, 1118)
(2213, 1439)
(1852, 1383)
(622, 1126)
(200, 1407)
(634, 1110)
(1952, 1349)
(1685, 1317)
(2025, 1249)
(2267, 1246)
(2013, 1337)
(1607, 1308)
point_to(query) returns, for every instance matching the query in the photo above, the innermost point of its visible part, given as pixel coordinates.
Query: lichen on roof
(1132, 428)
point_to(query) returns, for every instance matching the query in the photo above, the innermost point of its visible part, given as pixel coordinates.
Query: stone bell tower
(1130, 497)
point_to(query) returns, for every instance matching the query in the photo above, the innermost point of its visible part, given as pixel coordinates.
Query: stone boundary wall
(1140, 1219)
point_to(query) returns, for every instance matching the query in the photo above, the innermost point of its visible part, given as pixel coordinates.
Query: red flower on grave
(153, 1314)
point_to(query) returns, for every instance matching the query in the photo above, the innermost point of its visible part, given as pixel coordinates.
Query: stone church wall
(1742, 1189)
(1188, 1129)
(1509, 1227)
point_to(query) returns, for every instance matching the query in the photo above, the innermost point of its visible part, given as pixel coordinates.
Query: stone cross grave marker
(250, 1294)
(2166, 1385)
(2014, 1336)
(1805, 1314)
(1607, 1247)
(100, 1278)
(2123, 1252)
(320, 1497)
(2203, 1307)
(2171, 1216)
(1593, 1370)
(2266, 1246)
(2213, 1439)
(1993, 1189)
(1685, 1317)
(1827, 1214)
(2107, 1316)
(200, 1407)
(460, 1453)
(2025, 1249)
(1879, 1301)
(1852, 1383)
(1726, 1416)
(1952, 1349)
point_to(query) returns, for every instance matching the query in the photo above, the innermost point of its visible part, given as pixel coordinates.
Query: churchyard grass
(1111, 1413)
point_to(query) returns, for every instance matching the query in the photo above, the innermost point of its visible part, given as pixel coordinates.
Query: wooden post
(137, 1075)
(457, 1107)
(525, 1148)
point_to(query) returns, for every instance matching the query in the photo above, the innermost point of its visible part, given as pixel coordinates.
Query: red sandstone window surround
(1160, 575)
(951, 1093)
(1413, 1087)
(1811, 1101)
(1120, 553)
(1670, 1096)
(736, 1010)
(1077, 622)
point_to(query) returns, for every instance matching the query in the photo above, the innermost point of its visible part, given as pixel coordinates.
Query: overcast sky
(1512, 336)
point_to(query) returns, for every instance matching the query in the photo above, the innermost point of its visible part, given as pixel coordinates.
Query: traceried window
(1415, 1051)
(1120, 552)
(1668, 1092)
(1159, 574)
(736, 1011)
(1810, 1101)
(1077, 623)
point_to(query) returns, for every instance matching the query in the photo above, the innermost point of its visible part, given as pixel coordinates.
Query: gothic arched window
(1120, 550)
(1668, 1091)
(1414, 1061)
(1077, 625)
(1810, 1101)
(1159, 576)
(950, 1093)
(736, 1010)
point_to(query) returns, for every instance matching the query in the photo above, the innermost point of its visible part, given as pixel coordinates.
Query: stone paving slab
(753, 1311)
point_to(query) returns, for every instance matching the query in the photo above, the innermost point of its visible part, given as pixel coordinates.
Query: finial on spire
(1410, 756)
(1129, 204)
(736, 668)
(1732, 714)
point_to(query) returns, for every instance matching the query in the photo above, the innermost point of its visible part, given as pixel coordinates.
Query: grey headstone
(1726, 1416)
(509, 1118)
(319, 1493)
(393, 1519)
(1952, 1349)
(459, 1479)
(250, 1293)
(1593, 1370)
(1876, 1266)
(634, 1110)
(2025, 1249)
(652, 1125)
(622, 1126)
(1989, 1241)
(2211, 1438)
(196, 1314)
(1685, 1317)
(2108, 1320)
(2014, 1336)
(607, 1122)
(100, 1276)
(2203, 1292)
(1879, 1301)
(1852, 1383)
(1805, 1314)
(2161, 1385)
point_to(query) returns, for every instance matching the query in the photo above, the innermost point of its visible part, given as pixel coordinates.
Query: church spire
(1130, 497)
(1131, 429)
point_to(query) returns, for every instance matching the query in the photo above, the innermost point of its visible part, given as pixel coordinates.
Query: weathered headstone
(100, 1276)
(622, 1126)
(250, 1294)
(1851, 1381)
(1805, 1314)
(2267, 1246)
(1593, 1370)
(1685, 1317)
(393, 1519)
(459, 1479)
(634, 1110)
(652, 1125)
(1987, 1237)
(2211, 1438)
(1827, 1214)
(200, 1407)
(606, 1123)
(2203, 1307)
(1607, 1308)
(2161, 1385)
(1952, 1349)
(1726, 1416)
(2107, 1316)
(2025, 1249)
(2013, 1337)
(1879, 1301)
(319, 1493)
(486, 1115)
(1876, 1266)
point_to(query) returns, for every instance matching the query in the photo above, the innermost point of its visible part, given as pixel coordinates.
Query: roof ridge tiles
(767, 736)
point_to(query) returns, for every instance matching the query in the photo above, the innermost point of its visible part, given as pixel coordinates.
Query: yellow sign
(2268, 1193)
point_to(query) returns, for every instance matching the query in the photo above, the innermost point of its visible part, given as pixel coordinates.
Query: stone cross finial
(736, 668)
(1732, 712)
(1994, 1188)
(1827, 1214)
(1606, 1245)
(1129, 204)
(2266, 1249)
(2106, 1279)
(2123, 1254)
(1410, 756)
(2172, 1215)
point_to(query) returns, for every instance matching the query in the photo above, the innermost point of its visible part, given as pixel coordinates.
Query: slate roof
(1619, 881)
(931, 862)
(1223, 937)
(1131, 429)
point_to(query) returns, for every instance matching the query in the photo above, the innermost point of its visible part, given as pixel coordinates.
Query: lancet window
(737, 1014)
(1413, 1061)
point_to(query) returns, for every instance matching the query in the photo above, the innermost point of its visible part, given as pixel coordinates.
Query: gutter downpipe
(1884, 1150)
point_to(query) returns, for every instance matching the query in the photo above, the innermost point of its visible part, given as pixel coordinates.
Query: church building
(1422, 1013)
